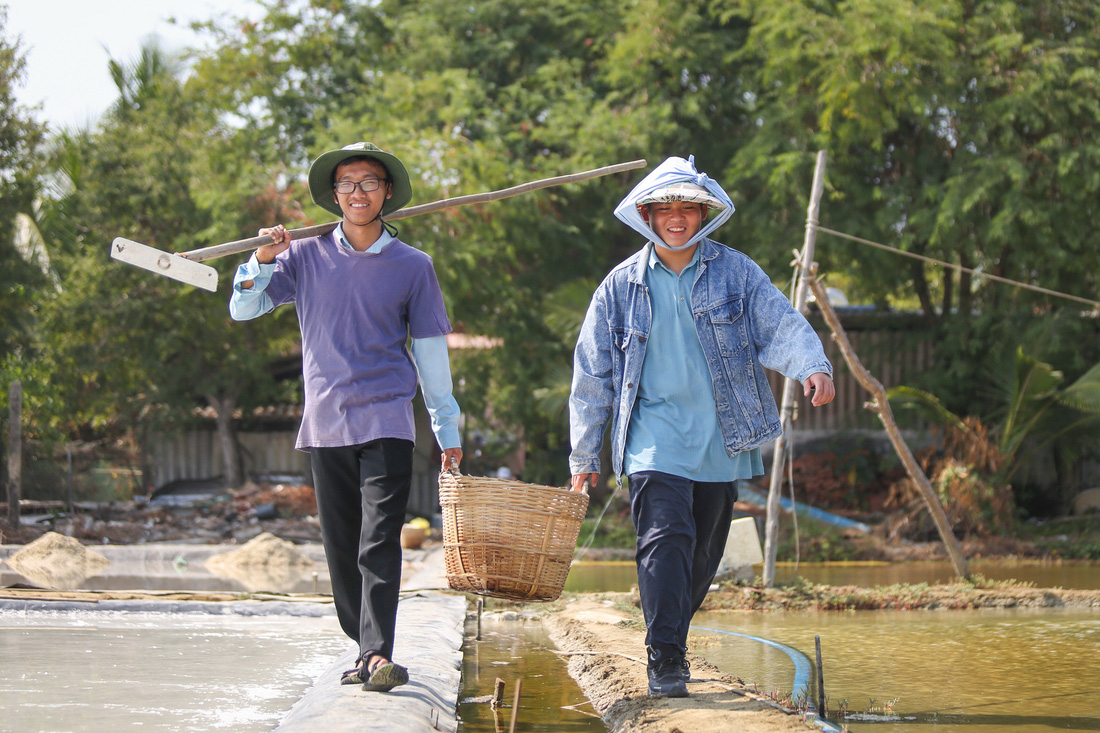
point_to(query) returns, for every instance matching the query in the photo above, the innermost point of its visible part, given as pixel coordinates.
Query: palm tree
(142, 79)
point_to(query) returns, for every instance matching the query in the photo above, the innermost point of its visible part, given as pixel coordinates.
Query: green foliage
(962, 131)
(21, 271)
(814, 542)
(1034, 415)
(1074, 538)
(957, 130)
(615, 530)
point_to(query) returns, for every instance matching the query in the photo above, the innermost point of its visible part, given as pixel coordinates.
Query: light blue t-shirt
(674, 425)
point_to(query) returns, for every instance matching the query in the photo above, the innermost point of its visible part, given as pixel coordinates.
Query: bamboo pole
(244, 245)
(515, 707)
(881, 406)
(786, 410)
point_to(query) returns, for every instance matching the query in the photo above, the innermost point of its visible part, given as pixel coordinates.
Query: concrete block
(1087, 501)
(742, 550)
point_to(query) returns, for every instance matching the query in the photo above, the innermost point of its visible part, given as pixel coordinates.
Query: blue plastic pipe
(802, 670)
(751, 496)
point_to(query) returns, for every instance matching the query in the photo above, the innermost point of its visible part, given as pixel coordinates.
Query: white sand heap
(56, 561)
(263, 563)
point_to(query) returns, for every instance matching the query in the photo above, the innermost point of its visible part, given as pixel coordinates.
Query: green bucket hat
(323, 169)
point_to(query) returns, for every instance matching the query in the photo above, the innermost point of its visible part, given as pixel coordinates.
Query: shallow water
(929, 671)
(94, 671)
(621, 576)
(919, 671)
(550, 700)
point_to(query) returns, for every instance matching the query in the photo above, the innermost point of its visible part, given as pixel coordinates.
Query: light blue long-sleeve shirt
(674, 424)
(430, 355)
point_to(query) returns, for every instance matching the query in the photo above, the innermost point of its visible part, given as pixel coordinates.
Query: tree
(132, 350)
(22, 271)
(958, 129)
(480, 96)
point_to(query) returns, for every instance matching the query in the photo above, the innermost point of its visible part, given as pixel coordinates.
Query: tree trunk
(948, 291)
(15, 452)
(920, 285)
(966, 297)
(1068, 483)
(227, 438)
(881, 406)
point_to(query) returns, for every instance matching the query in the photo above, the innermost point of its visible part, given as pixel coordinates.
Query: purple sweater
(356, 311)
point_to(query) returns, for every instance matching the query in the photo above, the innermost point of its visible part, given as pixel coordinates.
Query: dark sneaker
(665, 679)
(685, 669)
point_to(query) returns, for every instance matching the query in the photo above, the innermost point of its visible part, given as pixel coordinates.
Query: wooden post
(69, 474)
(15, 452)
(498, 694)
(515, 707)
(881, 406)
(771, 527)
(820, 678)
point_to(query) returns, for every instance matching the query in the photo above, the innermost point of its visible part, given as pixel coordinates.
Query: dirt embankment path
(606, 649)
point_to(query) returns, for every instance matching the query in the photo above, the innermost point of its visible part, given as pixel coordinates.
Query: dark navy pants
(362, 494)
(682, 526)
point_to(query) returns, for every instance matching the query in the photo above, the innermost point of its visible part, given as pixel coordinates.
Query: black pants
(682, 526)
(362, 493)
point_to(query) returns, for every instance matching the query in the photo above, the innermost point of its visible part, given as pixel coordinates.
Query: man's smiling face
(676, 222)
(361, 207)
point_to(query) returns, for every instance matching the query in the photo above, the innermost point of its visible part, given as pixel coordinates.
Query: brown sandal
(352, 676)
(358, 674)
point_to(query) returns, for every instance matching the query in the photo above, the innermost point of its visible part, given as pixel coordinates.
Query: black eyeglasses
(366, 185)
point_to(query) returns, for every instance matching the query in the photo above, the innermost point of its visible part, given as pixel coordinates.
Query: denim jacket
(744, 324)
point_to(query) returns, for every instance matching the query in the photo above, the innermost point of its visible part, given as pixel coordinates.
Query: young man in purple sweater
(360, 294)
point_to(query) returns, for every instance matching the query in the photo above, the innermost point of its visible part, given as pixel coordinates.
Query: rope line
(599, 520)
(960, 268)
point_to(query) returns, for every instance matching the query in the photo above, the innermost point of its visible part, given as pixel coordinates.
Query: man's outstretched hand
(821, 384)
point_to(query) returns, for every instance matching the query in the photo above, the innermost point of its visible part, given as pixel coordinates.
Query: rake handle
(317, 230)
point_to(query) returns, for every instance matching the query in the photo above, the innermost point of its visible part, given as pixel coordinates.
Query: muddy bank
(904, 597)
(604, 637)
(605, 643)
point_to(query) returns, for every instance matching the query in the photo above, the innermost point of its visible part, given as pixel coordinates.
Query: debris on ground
(56, 561)
(263, 563)
(232, 517)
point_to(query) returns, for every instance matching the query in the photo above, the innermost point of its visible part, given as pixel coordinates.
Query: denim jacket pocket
(620, 341)
(728, 322)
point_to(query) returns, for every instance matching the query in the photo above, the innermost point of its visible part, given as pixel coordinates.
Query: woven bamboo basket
(508, 539)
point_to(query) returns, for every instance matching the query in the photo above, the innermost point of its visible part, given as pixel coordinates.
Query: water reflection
(269, 578)
(621, 576)
(58, 577)
(175, 568)
(550, 700)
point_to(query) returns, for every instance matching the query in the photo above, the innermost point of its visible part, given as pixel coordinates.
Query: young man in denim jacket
(672, 352)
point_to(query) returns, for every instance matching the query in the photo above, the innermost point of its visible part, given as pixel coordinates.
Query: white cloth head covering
(665, 181)
(682, 191)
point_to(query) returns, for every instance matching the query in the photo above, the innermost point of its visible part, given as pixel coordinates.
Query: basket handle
(454, 467)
